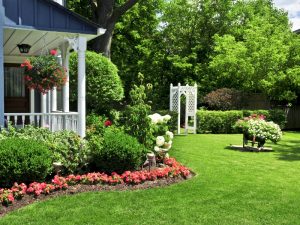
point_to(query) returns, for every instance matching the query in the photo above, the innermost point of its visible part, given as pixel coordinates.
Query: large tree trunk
(102, 44)
(106, 15)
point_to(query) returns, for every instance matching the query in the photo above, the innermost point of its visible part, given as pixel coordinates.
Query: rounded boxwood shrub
(23, 160)
(119, 152)
(66, 147)
(103, 84)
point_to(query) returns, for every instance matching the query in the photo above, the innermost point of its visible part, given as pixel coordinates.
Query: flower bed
(173, 169)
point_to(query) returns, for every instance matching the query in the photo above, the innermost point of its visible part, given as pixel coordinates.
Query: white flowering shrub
(163, 136)
(266, 130)
(158, 119)
(255, 125)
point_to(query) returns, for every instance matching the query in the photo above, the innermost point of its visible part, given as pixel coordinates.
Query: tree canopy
(243, 44)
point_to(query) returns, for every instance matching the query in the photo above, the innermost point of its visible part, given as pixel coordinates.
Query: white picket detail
(55, 121)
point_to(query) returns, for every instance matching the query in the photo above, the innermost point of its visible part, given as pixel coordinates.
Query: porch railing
(54, 121)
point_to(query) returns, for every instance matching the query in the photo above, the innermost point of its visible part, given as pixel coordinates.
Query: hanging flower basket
(43, 73)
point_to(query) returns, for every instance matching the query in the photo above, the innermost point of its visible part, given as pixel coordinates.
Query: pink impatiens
(172, 169)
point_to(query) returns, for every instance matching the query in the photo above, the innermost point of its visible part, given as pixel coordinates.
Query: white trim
(32, 93)
(101, 31)
(43, 107)
(14, 59)
(65, 56)
(53, 99)
(52, 121)
(81, 49)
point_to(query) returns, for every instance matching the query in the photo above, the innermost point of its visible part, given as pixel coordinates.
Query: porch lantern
(24, 48)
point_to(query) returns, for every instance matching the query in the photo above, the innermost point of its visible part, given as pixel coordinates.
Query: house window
(14, 85)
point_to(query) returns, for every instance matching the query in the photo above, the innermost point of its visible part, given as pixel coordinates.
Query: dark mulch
(80, 188)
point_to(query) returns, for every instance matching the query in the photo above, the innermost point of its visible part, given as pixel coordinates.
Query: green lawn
(231, 187)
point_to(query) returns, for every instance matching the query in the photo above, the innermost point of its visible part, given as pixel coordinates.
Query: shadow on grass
(289, 151)
(240, 148)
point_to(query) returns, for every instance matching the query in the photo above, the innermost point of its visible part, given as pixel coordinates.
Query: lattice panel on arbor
(190, 93)
(174, 101)
(191, 109)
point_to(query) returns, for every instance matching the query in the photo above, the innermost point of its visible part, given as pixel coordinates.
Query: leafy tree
(135, 42)
(106, 13)
(256, 58)
(242, 44)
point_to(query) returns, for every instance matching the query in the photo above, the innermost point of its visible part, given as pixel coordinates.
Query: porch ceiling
(40, 41)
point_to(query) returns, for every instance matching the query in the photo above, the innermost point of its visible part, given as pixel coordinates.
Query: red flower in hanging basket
(53, 52)
(43, 73)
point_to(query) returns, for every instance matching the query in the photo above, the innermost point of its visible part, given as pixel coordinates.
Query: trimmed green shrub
(119, 152)
(278, 116)
(222, 122)
(66, 146)
(103, 84)
(23, 160)
(217, 122)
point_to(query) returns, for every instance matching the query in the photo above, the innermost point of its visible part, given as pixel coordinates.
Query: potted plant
(256, 129)
(43, 72)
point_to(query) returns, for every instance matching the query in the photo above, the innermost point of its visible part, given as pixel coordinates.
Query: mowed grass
(231, 187)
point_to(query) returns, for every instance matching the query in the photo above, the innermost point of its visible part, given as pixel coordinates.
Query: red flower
(53, 52)
(107, 123)
(27, 64)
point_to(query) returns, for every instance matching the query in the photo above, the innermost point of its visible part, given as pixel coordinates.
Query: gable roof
(297, 31)
(45, 15)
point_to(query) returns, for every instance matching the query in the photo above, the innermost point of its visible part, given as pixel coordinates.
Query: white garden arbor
(190, 93)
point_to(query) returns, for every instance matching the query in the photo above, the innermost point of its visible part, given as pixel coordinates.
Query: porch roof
(43, 24)
(45, 15)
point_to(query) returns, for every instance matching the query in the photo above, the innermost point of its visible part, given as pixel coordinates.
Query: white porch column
(65, 55)
(81, 86)
(53, 99)
(43, 108)
(32, 103)
(1, 68)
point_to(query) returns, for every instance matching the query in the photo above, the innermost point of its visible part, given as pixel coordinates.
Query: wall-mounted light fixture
(24, 48)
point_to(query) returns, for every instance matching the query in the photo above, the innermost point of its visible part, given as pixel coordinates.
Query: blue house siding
(45, 15)
(1, 68)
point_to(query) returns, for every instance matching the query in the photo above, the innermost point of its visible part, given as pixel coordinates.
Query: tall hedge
(103, 84)
(221, 122)
(217, 122)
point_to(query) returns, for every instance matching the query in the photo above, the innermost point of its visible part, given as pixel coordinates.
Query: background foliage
(222, 122)
(246, 45)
